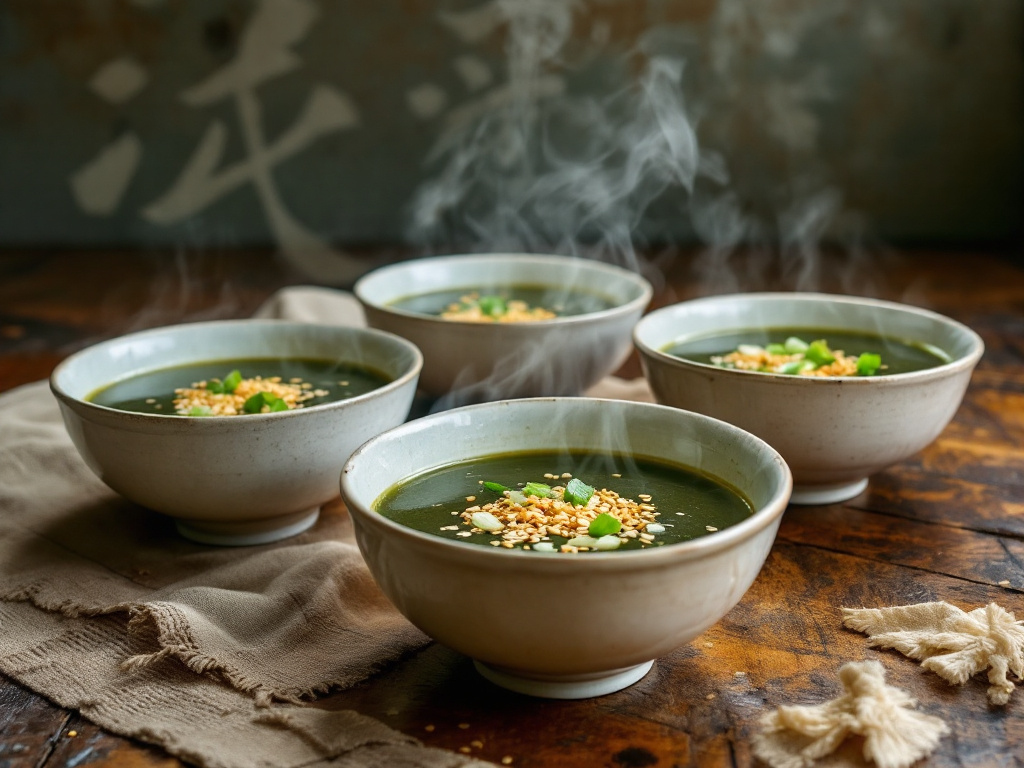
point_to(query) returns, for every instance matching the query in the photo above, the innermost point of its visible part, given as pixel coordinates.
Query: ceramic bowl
(232, 480)
(833, 432)
(475, 362)
(524, 616)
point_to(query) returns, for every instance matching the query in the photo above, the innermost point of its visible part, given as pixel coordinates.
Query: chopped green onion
(543, 546)
(582, 541)
(256, 402)
(749, 349)
(608, 542)
(577, 492)
(200, 410)
(492, 305)
(868, 364)
(215, 386)
(232, 380)
(776, 349)
(539, 490)
(604, 524)
(517, 497)
(792, 368)
(486, 521)
(819, 353)
(496, 487)
(795, 345)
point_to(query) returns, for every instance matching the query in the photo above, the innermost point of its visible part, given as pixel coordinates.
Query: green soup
(898, 355)
(154, 392)
(558, 300)
(689, 504)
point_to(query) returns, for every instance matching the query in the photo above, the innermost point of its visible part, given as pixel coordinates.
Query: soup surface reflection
(321, 381)
(897, 355)
(677, 503)
(494, 299)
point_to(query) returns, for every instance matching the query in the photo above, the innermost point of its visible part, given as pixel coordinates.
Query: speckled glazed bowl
(833, 432)
(232, 480)
(474, 362)
(524, 616)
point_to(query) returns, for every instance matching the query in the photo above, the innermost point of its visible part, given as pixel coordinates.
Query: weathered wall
(504, 122)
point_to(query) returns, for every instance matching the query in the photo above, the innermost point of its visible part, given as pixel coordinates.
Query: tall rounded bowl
(552, 624)
(232, 480)
(833, 432)
(474, 362)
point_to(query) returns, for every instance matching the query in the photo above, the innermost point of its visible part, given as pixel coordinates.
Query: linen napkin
(215, 654)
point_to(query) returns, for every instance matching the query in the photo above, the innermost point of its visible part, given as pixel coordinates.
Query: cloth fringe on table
(895, 736)
(954, 644)
(215, 654)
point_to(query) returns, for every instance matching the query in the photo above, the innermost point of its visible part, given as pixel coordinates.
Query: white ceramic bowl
(558, 625)
(475, 362)
(833, 432)
(232, 480)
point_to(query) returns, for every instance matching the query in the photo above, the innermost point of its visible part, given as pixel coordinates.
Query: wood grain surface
(947, 524)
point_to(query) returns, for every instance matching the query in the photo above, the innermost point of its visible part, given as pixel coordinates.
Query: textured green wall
(491, 123)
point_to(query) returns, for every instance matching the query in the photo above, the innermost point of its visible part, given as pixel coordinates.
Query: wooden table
(947, 524)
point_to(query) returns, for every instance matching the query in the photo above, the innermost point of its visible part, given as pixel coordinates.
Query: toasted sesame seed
(476, 743)
(428, 728)
(710, 528)
(506, 760)
(465, 750)
(463, 726)
(1004, 583)
(72, 734)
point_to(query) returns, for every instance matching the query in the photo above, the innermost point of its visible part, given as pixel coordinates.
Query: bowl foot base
(827, 494)
(569, 686)
(250, 533)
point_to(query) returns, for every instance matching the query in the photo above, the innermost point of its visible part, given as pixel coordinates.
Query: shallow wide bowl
(833, 432)
(475, 362)
(233, 479)
(552, 624)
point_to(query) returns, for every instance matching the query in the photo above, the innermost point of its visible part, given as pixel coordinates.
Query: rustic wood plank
(956, 552)
(29, 726)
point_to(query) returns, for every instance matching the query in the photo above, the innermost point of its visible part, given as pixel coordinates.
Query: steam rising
(542, 170)
(534, 167)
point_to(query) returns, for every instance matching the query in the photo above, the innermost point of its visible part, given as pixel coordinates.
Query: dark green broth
(898, 355)
(561, 301)
(426, 502)
(133, 394)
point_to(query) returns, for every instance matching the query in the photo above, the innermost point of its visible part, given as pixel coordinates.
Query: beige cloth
(952, 643)
(895, 736)
(207, 652)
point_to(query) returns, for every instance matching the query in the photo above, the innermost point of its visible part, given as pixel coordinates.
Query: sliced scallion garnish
(232, 380)
(819, 353)
(604, 524)
(776, 349)
(540, 490)
(868, 364)
(492, 305)
(577, 492)
(255, 403)
(608, 542)
(200, 410)
(496, 487)
(485, 521)
(795, 345)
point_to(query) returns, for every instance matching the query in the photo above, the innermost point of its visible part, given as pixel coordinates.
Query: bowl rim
(695, 549)
(964, 362)
(613, 271)
(405, 378)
